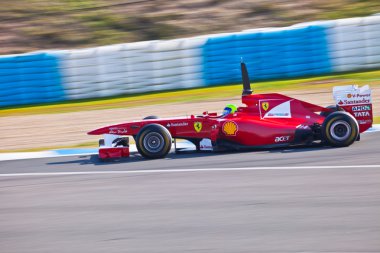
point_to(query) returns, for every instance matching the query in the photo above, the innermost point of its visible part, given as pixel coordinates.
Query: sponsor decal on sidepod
(197, 126)
(177, 124)
(265, 105)
(230, 128)
(282, 138)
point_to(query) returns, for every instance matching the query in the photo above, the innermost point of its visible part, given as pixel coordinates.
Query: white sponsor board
(177, 124)
(352, 95)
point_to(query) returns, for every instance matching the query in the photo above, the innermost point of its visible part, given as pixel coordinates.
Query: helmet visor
(227, 110)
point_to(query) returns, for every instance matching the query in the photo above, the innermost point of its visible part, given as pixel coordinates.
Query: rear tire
(340, 129)
(334, 108)
(153, 141)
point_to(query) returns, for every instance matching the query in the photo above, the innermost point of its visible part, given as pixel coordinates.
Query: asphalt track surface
(284, 200)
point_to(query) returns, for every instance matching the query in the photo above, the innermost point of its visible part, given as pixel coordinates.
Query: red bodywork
(114, 152)
(267, 120)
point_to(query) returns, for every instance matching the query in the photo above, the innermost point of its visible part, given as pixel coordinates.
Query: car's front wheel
(153, 141)
(340, 129)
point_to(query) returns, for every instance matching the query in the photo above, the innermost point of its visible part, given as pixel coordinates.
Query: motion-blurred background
(67, 67)
(70, 66)
(28, 25)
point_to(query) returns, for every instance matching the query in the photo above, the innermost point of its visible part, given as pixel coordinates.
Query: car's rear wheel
(340, 129)
(333, 108)
(153, 141)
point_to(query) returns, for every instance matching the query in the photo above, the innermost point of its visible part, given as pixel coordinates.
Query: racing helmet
(229, 109)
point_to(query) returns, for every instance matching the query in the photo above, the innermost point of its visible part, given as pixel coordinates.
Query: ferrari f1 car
(266, 121)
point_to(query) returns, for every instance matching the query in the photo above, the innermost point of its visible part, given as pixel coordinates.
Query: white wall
(355, 44)
(132, 68)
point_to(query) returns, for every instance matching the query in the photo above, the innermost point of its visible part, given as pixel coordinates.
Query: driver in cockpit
(229, 109)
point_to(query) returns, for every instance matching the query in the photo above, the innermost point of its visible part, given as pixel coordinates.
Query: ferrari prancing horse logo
(198, 126)
(265, 105)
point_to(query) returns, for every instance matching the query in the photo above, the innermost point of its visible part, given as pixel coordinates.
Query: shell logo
(230, 128)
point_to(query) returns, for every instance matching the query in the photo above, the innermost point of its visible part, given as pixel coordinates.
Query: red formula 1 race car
(266, 121)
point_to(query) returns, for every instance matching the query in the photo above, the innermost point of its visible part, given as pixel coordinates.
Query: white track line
(73, 173)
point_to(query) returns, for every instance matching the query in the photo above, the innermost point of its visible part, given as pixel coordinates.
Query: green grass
(198, 94)
(353, 9)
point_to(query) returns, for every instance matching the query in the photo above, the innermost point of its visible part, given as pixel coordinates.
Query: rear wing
(356, 101)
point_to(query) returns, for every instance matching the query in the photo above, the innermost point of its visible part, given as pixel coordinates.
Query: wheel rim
(153, 142)
(340, 130)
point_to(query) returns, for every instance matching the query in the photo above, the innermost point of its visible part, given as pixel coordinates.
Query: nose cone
(98, 131)
(93, 132)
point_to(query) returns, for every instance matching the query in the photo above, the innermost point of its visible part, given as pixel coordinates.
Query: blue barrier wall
(304, 49)
(269, 54)
(30, 79)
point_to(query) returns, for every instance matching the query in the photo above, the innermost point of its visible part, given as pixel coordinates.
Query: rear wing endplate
(357, 101)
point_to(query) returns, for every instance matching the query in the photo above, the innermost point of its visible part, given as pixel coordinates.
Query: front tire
(153, 141)
(340, 129)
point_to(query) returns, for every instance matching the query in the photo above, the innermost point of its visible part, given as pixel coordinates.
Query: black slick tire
(333, 108)
(340, 129)
(153, 141)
